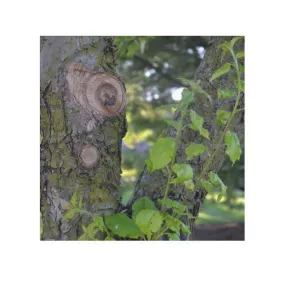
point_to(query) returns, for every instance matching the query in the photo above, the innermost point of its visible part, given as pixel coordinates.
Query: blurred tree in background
(155, 70)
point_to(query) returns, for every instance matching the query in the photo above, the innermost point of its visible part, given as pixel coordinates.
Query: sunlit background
(155, 70)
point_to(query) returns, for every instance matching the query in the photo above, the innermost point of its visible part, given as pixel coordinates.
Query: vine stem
(205, 168)
(177, 140)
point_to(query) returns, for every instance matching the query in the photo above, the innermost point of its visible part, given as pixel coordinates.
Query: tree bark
(153, 184)
(82, 126)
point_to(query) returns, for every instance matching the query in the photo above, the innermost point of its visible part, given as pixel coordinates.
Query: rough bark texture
(82, 126)
(153, 184)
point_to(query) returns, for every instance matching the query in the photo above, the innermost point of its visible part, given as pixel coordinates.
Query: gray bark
(154, 184)
(82, 126)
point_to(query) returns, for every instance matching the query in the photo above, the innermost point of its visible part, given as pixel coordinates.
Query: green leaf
(172, 123)
(172, 223)
(226, 47)
(98, 222)
(187, 97)
(149, 221)
(123, 226)
(233, 146)
(207, 185)
(234, 40)
(216, 180)
(204, 133)
(172, 204)
(221, 71)
(184, 172)
(197, 121)
(149, 165)
(185, 229)
(142, 204)
(222, 117)
(241, 83)
(189, 184)
(220, 197)
(197, 124)
(173, 236)
(161, 153)
(69, 215)
(225, 94)
(240, 54)
(194, 149)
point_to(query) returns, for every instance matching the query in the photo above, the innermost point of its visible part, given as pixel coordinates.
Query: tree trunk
(83, 123)
(82, 126)
(153, 184)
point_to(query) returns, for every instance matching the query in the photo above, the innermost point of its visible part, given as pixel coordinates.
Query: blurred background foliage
(155, 70)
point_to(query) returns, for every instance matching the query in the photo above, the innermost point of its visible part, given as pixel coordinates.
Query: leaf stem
(177, 141)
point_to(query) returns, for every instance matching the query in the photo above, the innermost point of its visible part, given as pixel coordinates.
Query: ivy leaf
(69, 215)
(185, 229)
(149, 221)
(173, 236)
(142, 204)
(172, 204)
(222, 117)
(149, 165)
(172, 123)
(221, 71)
(194, 149)
(225, 94)
(98, 222)
(197, 124)
(123, 226)
(189, 184)
(172, 223)
(240, 54)
(187, 97)
(216, 180)
(204, 133)
(197, 121)
(207, 185)
(161, 154)
(241, 83)
(233, 146)
(184, 172)
(220, 197)
(226, 47)
(234, 40)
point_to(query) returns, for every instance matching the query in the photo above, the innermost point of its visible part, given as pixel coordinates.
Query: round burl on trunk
(89, 156)
(98, 92)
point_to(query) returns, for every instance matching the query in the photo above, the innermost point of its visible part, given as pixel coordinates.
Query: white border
(28, 261)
